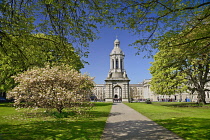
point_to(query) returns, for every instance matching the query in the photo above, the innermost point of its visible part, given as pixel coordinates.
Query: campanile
(117, 81)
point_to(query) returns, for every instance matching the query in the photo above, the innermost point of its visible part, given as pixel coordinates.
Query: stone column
(111, 64)
(124, 91)
(129, 100)
(119, 63)
(114, 63)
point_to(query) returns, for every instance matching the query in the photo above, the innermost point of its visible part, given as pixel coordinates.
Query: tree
(179, 29)
(181, 66)
(33, 51)
(152, 19)
(70, 21)
(56, 87)
(76, 22)
(35, 31)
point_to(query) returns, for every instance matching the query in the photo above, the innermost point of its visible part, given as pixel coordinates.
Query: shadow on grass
(184, 104)
(6, 104)
(89, 114)
(188, 128)
(102, 104)
(52, 130)
(68, 125)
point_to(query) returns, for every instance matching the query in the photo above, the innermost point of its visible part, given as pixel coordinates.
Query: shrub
(52, 87)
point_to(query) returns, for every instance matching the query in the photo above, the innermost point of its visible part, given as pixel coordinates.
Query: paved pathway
(124, 123)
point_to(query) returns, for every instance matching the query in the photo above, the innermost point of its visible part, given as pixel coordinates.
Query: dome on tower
(116, 41)
(117, 49)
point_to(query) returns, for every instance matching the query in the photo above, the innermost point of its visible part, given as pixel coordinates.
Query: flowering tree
(56, 87)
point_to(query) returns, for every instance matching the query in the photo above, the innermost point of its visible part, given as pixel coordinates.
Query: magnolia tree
(56, 87)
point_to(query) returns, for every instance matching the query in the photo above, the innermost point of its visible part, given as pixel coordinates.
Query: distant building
(117, 85)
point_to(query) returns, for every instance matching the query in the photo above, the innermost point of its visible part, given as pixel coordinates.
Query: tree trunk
(59, 109)
(201, 97)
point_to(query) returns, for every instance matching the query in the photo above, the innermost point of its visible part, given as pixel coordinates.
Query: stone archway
(117, 93)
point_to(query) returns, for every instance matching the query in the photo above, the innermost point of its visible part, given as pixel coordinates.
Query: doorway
(117, 92)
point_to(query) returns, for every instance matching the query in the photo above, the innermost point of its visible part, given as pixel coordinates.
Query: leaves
(20, 53)
(151, 19)
(182, 64)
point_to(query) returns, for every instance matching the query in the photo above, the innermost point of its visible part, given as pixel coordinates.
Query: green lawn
(188, 120)
(26, 124)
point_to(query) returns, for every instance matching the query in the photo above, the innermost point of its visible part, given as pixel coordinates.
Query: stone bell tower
(117, 81)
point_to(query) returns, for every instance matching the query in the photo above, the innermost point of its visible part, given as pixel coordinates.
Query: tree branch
(197, 39)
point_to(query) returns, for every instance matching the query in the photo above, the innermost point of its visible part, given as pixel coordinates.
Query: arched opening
(112, 64)
(117, 65)
(121, 64)
(117, 94)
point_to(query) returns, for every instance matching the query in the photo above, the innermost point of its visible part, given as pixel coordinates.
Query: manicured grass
(30, 124)
(188, 120)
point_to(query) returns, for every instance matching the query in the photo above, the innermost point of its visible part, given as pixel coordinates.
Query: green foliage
(182, 63)
(34, 32)
(166, 78)
(152, 19)
(78, 21)
(35, 50)
(36, 124)
(37, 30)
(67, 19)
(56, 87)
(187, 120)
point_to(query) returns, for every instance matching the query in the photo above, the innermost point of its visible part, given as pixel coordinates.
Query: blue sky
(135, 65)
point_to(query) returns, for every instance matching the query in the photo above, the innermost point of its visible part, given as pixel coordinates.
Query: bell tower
(117, 81)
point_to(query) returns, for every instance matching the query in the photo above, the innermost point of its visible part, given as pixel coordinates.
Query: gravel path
(124, 123)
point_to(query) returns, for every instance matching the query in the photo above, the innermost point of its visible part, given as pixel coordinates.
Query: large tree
(77, 21)
(181, 66)
(180, 30)
(67, 21)
(35, 50)
(33, 32)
